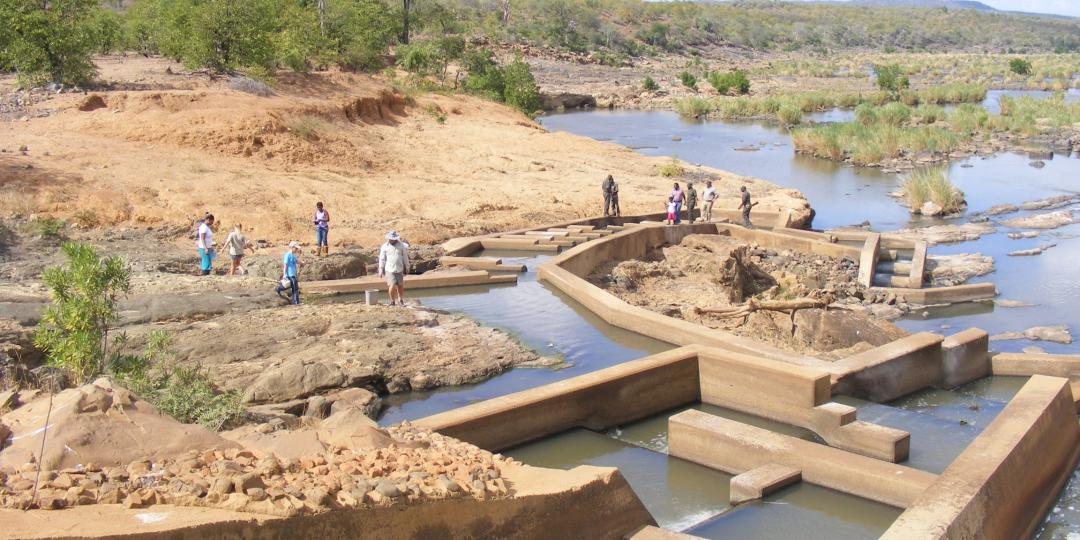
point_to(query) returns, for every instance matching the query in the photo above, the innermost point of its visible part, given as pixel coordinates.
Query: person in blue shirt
(290, 264)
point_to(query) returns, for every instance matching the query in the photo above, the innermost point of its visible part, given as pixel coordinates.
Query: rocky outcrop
(1050, 220)
(1055, 334)
(100, 424)
(949, 270)
(564, 100)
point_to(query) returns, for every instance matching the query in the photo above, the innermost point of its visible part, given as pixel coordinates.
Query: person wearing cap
(289, 264)
(393, 262)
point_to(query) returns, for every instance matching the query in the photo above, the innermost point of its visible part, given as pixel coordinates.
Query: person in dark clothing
(607, 186)
(691, 201)
(615, 198)
(745, 206)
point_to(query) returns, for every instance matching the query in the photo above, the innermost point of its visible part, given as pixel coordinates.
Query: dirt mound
(384, 109)
(100, 424)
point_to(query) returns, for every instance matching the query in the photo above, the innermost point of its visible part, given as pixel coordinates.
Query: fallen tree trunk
(789, 306)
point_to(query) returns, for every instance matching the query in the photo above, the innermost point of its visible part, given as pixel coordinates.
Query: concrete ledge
(794, 395)
(736, 448)
(965, 357)
(868, 259)
(518, 244)
(1006, 480)
(891, 370)
(482, 263)
(793, 239)
(423, 281)
(944, 295)
(1023, 364)
(765, 480)
(597, 400)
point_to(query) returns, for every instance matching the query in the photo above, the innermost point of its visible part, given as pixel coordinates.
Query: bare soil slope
(169, 146)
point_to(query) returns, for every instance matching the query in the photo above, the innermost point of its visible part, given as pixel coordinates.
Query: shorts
(236, 258)
(394, 278)
(671, 216)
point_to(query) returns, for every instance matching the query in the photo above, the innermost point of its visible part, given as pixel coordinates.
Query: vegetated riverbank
(895, 136)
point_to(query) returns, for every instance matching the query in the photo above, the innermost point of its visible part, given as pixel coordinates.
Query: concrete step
(895, 254)
(901, 268)
(891, 280)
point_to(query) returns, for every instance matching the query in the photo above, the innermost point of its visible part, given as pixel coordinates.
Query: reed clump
(931, 185)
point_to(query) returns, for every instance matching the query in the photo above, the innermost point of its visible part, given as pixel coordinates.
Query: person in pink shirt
(677, 196)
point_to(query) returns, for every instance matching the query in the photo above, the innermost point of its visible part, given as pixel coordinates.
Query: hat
(294, 244)
(393, 235)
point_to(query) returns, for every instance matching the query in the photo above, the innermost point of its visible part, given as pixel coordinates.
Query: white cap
(294, 244)
(393, 235)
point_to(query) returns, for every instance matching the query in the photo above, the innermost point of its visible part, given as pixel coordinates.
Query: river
(686, 496)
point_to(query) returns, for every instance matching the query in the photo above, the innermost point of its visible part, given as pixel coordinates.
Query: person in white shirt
(204, 242)
(393, 263)
(709, 196)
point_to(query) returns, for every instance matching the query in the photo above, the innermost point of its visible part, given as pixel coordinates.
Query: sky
(1057, 7)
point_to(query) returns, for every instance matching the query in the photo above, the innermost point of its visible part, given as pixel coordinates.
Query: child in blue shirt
(290, 263)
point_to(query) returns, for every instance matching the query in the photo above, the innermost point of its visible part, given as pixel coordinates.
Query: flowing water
(686, 496)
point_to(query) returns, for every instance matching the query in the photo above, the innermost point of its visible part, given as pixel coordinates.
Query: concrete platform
(482, 263)
(656, 533)
(765, 480)
(736, 448)
(431, 280)
(892, 370)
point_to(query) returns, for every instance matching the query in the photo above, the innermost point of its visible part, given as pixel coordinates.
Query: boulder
(294, 378)
(1049, 220)
(359, 398)
(351, 428)
(930, 208)
(997, 210)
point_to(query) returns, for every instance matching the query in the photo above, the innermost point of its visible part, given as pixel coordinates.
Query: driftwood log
(752, 305)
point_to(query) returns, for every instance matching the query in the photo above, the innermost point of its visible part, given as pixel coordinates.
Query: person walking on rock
(237, 244)
(607, 187)
(709, 196)
(322, 228)
(677, 196)
(393, 263)
(691, 201)
(204, 242)
(290, 263)
(745, 206)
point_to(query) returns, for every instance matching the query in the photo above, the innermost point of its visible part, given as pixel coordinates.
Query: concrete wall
(1006, 480)
(891, 370)
(597, 400)
(735, 448)
(965, 357)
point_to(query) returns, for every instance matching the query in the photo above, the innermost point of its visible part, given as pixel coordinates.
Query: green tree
(891, 78)
(48, 41)
(1020, 66)
(485, 77)
(74, 329)
(361, 30)
(521, 91)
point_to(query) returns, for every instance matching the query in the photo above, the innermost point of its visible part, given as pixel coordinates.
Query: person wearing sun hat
(393, 263)
(290, 263)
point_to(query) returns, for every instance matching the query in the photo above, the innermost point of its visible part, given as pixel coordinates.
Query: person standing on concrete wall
(709, 196)
(322, 229)
(204, 243)
(290, 264)
(393, 263)
(615, 198)
(678, 197)
(745, 206)
(607, 187)
(691, 201)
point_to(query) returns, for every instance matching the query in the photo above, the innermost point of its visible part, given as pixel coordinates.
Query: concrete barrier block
(728, 378)
(892, 370)
(868, 259)
(1023, 364)
(844, 414)
(757, 483)
(735, 448)
(965, 357)
(918, 265)
(423, 281)
(1002, 485)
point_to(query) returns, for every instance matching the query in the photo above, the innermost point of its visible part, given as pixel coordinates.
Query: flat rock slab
(1055, 334)
(757, 483)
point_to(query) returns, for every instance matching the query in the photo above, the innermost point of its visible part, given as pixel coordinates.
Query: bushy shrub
(733, 80)
(73, 330)
(649, 84)
(521, 91)
(688, 80)
(361, 31)
(671, 169)
(891, 78)
(184, 393)
(1020, 66)
(485, 77)
(418, 57)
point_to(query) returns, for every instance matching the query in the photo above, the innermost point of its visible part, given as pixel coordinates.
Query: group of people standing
(393, 255)
(677, 199)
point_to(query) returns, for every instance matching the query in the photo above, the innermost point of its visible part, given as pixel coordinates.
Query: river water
(686, 496)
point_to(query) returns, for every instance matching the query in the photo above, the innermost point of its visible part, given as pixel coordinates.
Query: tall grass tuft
(931, 185)
(693, 107)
